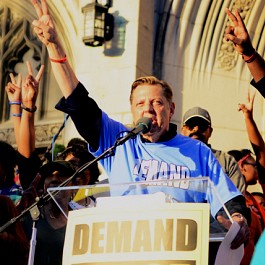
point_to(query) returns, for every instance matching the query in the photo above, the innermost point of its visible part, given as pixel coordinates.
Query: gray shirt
(231, 168)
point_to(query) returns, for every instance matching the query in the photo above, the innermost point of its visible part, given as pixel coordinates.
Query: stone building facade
(181, 41)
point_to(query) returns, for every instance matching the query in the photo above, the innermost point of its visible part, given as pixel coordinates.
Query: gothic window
(17, 45)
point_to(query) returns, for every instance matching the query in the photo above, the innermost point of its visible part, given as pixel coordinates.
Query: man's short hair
(152, 80)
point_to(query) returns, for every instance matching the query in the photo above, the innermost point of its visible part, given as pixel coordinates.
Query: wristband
(28, 109)
(240, 216)
(14, 102)
(62, 60)
(16, 114)
(251, 58)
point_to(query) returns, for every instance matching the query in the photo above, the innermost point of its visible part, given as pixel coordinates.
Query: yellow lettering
(119, 237)
(81, 236)
(186, 235)
(97, 236)
(163, 235)
(142, 238)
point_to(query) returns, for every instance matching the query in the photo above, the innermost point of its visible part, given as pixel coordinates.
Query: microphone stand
(43, 199)
(54, 138)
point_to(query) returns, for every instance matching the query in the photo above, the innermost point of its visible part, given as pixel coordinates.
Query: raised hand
(44, 27)
(13, 88)
(30, 87)
(46, 32)
(238, 34)
(247, 108)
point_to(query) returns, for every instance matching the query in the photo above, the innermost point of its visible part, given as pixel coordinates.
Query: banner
(142, 234)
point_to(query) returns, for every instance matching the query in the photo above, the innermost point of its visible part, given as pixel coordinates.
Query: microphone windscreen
(146, 123)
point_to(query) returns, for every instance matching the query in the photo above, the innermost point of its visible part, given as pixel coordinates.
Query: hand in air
(44, 27)
(238, 34)
(30, 87)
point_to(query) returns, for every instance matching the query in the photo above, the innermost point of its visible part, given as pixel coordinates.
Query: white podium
(143, 223)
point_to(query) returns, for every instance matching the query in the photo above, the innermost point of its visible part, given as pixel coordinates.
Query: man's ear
(172, 109)
(210, 131)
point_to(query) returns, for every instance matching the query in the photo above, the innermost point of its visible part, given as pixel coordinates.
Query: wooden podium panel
(138, 231)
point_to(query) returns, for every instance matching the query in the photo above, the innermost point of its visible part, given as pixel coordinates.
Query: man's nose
(148, 107)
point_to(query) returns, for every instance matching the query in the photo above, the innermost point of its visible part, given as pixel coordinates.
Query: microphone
(143, 125)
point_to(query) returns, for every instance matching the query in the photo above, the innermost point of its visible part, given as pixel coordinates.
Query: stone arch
(18, 44)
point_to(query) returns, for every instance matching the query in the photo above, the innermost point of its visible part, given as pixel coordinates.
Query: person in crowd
(29, 161)
(260, 198)
(8, 164)
(154, 155)
(22, 99)
(238, 34)
(77, 153)
(252, 168)
(14, 245)
(254, 136)
(51, 222)
(248, 167)
(253, 171)
(197, 125)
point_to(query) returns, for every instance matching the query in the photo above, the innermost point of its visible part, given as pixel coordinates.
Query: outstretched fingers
(37, 8)
(29, 66)
(40, 73)
(13, 79)
(239, 19)
(44, 6)
(231, 16)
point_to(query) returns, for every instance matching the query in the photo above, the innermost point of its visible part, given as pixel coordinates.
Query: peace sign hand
(44, 27)
(30, 87)
(13, 88)
(247, 108)
(238, 34)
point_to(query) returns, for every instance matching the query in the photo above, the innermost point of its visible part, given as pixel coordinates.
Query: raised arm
(13, 90)
(238, 34)
(30, 89)
(254, 135)
(46, 32)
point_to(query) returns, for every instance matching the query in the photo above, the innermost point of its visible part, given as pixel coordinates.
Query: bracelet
(62, 60)
(14, 102)
(28, 109)
(16, 114)
(238, 215)
(251, 58)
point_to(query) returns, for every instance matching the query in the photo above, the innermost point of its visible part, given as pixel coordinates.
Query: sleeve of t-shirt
(260, 85)
(85, 114)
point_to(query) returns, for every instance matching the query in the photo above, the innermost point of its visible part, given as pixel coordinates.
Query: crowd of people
(231, 172)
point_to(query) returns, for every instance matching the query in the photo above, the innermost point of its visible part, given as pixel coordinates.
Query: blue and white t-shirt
(179, 158)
